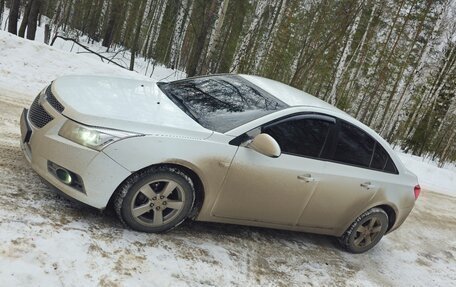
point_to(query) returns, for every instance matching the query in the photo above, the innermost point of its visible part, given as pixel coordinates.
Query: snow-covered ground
(48, 241)
(431, 177)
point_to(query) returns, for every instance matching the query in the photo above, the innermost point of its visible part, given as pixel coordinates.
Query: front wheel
(155, 200)
(366, 231)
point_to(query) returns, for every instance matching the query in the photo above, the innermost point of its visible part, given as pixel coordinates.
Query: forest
(389, 63)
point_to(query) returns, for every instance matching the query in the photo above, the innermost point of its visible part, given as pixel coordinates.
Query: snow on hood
(124, 104)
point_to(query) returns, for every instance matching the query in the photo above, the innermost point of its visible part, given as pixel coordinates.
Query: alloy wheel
(367, 232)
(157, 202)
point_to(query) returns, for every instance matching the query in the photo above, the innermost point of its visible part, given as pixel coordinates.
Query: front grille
(38, 116)
(53, 101)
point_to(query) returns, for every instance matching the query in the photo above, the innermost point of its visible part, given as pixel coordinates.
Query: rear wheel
(366, 231)
(155, 200)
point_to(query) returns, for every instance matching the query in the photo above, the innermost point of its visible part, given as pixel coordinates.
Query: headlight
(95, 138)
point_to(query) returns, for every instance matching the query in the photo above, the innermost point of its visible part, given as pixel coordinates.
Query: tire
(365, 232)
(155, 200)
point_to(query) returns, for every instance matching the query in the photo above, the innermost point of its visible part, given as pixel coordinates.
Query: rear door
(352, 176)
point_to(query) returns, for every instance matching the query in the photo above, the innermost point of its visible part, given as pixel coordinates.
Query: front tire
(155, 200)
(366, 231)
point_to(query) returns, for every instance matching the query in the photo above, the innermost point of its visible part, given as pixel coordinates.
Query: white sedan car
(224, 148)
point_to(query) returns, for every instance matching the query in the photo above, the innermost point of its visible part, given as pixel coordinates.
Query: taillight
(417, 190)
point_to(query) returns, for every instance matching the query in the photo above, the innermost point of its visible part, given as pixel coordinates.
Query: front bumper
(100, 174)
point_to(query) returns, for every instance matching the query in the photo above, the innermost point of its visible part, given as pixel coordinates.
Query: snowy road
(48, 241)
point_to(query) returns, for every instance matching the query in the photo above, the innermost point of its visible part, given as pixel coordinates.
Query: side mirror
(265, 144)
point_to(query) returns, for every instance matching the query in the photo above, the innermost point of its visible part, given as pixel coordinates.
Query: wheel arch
(392, 216)
(387, 207)
(194, 177)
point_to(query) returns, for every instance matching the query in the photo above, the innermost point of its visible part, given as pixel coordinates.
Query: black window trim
(332, 134)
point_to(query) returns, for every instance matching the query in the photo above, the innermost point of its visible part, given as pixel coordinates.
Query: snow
(431, 177)
(25, 68)
(48, 241)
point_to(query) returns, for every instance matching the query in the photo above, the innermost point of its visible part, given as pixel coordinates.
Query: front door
(276, 190)
(265, 189)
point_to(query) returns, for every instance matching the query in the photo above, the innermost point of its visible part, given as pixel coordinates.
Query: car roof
(287, 94)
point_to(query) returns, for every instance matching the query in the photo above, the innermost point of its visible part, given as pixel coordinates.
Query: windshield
(221, 103)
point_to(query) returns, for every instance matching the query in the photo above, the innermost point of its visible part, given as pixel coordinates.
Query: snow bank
(431, 177)
(28, 66)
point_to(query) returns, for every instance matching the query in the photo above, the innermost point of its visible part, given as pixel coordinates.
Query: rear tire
(365, 232)
(155, 200)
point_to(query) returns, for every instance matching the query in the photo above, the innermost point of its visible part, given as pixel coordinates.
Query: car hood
(123, 104)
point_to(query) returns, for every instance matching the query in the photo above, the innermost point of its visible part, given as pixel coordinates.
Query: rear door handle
(306, 177)
(367, 185)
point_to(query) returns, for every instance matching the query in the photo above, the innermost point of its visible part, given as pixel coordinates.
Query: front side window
(300, 136)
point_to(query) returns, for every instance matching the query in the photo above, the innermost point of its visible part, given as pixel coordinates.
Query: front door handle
(306, 177)
(367, 185)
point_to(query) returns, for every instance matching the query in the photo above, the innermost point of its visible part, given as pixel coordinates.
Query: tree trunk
(32, 19)
(345, 52)
(150, 18)
(114, 16)
(47, 34)
(215, 35)
(24, 22)
(379, 62)
(155, 33)
(242, 48)
(2, 5)
(134, 48)
(359, 58)
(265, 47)
(204, 16)
(386, 112)
(384, 73)
(447, 147)
(66, 18)
(13, 16)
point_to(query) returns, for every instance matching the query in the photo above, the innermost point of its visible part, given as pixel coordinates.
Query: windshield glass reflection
(221, 103)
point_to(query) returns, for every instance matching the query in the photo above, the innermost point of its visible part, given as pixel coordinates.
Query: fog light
(64, 176)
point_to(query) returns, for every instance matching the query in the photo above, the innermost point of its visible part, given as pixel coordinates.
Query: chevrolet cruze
(235, 149)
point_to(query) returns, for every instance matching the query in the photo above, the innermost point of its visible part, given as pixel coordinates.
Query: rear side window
(356, 147)
(300, 136)
(353, 146)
